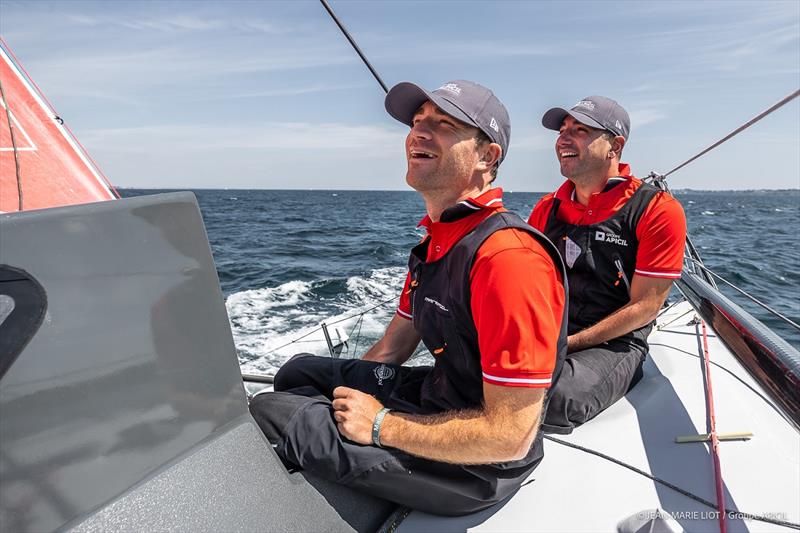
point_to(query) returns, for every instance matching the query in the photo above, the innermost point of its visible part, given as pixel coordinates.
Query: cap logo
(618, 125)
(450, 87)
(588, 104)
(494, 126)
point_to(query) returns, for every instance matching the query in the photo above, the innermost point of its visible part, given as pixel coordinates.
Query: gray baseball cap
(463, 100)
(595, 111)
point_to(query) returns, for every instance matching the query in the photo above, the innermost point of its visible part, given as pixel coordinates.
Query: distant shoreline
(677, 191)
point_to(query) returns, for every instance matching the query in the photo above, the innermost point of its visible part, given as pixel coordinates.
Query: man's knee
(292, 373)
(591, 381)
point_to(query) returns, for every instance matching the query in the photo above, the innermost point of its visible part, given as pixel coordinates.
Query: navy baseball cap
(463, 100)
(595, 111)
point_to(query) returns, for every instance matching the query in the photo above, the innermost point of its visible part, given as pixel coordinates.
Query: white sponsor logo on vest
(437, 304)
(607, 236)
(451, 87)
(493, 125)
(573, 252)
(588, 104)
(383, 372)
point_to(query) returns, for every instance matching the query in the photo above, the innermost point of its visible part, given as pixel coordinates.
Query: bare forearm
(460, 437)
(647, 297)
(382, 353)
(622, 321)
(397, 344)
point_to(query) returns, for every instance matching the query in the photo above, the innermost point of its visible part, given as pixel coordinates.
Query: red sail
(44, 159)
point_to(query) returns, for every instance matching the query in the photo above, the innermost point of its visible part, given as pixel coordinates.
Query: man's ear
(618, 144)
(490, 155)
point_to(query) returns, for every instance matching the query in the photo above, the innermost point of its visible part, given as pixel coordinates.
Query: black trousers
(298, 419)
(592, 380)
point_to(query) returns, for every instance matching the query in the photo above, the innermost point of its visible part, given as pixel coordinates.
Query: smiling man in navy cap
(484, 293)
(622, 241)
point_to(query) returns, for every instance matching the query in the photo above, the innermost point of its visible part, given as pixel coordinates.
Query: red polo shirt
(517, 295)
(661, 231)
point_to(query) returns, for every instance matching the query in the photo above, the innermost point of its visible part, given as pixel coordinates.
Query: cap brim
(554, 117)
(404, 99)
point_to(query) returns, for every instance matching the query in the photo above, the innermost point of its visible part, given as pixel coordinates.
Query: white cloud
(643, 116)
(351, 141)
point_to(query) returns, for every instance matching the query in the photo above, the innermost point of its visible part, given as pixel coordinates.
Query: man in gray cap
(484, 293)
(622, 241)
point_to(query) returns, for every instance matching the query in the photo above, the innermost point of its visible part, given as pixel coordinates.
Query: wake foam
(265, 322)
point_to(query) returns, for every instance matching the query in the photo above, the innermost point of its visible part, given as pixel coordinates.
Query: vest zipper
(621, 275)
(412, 288)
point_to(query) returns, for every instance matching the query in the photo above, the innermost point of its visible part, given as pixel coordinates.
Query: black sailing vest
(440, 307)
(600, 260)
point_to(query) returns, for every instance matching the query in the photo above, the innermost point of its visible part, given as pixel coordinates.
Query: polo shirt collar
(491, 199)
(567, 190)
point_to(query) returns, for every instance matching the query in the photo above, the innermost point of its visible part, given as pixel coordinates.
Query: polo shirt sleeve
(540, 212)
(404, 309)
(517, 305)
(662, 238)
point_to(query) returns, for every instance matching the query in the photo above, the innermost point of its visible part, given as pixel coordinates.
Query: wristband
(376, 427)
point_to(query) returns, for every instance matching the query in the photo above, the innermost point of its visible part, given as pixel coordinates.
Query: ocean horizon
(290, 259)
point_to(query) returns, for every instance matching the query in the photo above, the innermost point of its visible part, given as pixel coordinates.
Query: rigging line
(699, 499)
(737, 130)
(362, 313)
(661, 328)
(358, 323)
(712, 429)
(661, 182)
(384, 302)
(753, 298)
(732, 374)
(670, 306)
(338, 22)
(13, 146)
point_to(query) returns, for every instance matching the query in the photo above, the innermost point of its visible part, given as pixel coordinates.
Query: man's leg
(305, 384)
(591, 380)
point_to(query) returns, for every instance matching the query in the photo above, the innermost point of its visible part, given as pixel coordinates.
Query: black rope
(730, 513)
(13, 145)
(737, 130)
(353, 43)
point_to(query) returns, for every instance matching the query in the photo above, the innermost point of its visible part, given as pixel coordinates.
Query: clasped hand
(355, 412)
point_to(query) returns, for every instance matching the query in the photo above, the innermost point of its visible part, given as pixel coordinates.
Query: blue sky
(268, 94)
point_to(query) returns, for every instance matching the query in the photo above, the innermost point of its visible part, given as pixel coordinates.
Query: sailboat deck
(573, 490)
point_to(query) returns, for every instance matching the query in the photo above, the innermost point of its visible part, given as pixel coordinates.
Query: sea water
(289, 260)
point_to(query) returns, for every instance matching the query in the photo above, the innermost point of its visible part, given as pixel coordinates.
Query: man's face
(441, 151)
(582, 150)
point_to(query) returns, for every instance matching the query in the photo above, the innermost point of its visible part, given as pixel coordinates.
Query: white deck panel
(574, 491)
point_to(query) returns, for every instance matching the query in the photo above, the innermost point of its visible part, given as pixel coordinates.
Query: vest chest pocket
(433, 320)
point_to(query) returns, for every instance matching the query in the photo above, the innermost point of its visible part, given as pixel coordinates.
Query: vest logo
(573, 251)
(383, 372)
(450, 87)
(493, 125)
(607, 236)
(437, 304)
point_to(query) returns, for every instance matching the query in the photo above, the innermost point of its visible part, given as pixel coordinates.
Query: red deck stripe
(723, 523)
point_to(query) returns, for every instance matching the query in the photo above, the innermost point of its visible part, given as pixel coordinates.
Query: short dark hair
(480, 139)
